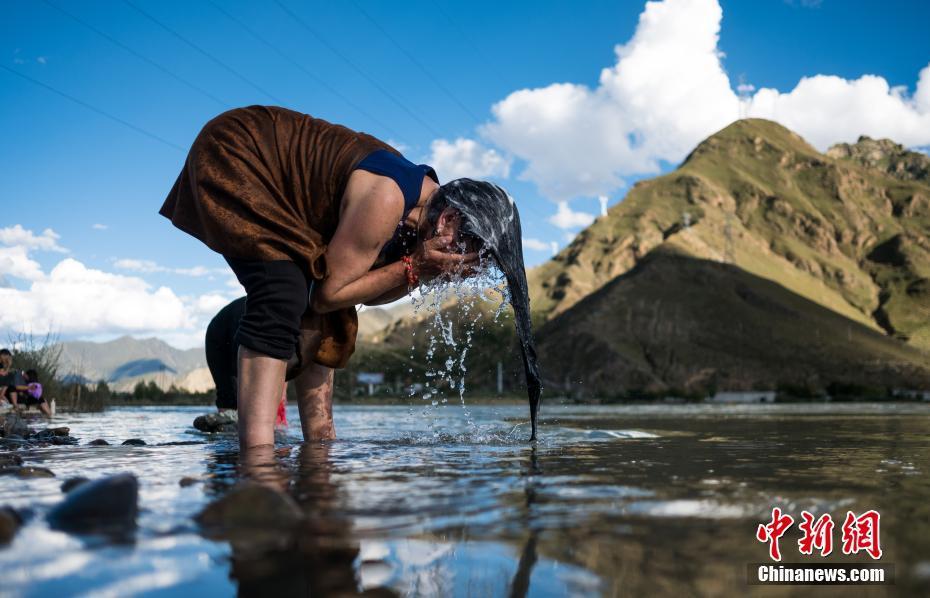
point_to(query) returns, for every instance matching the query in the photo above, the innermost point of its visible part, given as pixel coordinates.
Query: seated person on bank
(29, 393)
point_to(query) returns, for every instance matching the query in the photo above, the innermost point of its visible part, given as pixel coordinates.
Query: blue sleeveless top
(409, 177)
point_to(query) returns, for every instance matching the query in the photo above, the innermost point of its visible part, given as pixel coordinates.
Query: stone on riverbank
(29, 471)
(106, 505)
(134, 442)
(10, 460)
(225, 422)
(12, 424)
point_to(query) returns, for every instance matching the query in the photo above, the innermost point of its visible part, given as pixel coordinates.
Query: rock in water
(98, 442)
(106, 505)
(222, 422)
(250, 506)
(10, 522)
(134, 442)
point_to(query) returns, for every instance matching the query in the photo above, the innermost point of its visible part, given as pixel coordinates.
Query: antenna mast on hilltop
(744, 91)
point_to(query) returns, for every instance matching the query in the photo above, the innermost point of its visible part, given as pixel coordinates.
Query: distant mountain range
(126, 361)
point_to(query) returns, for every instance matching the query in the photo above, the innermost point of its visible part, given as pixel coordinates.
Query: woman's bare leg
(315, 402)
(261, 381)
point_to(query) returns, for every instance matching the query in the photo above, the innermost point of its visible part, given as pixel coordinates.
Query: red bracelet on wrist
(412, 278)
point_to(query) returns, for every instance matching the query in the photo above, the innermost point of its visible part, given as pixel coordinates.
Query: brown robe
(266, 183)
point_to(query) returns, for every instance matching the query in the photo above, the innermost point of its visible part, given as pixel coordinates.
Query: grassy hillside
(849, 237)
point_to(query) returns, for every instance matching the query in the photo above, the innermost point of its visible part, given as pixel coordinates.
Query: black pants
(223, 352)
(277, 295)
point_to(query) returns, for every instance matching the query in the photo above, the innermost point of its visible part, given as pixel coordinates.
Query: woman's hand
(439, 255)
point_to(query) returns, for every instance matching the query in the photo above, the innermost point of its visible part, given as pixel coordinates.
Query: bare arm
(367, 221)
(364, 226)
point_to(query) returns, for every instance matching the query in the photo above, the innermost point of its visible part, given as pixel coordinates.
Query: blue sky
(67, 168)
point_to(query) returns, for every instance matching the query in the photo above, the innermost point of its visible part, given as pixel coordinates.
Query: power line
(213, 58)
(464, 37)
(303, 69)
(93, 108)
(356, 68)
(138, 55)
(415, 61)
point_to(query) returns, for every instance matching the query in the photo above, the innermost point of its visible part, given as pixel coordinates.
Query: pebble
(108, 504)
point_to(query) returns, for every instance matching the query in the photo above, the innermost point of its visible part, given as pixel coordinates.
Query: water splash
(490, 214)
(469, 294)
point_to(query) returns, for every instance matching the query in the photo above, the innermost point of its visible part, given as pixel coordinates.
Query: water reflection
(521, 579)
(300, 543)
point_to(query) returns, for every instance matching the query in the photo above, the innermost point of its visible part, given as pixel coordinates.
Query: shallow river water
(647, 500)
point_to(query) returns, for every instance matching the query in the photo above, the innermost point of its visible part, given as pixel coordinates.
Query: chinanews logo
(859, 534)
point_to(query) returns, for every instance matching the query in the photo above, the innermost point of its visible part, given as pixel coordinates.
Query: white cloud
(825, 109)
(398, 145)
(666, 92)
(15, 262)
(466, 158)
(18, 236)
(565, 217)
(99, 226)
(73, 298)
(535, 244)
(149, 267)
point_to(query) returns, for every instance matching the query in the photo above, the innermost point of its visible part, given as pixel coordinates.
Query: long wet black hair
(489, 215)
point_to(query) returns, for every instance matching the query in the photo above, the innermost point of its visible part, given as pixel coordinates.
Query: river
(641, 500)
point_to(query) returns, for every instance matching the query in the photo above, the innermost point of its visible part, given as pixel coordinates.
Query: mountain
(826, 270)
(124, 361)
(759, 262)
(848, 237)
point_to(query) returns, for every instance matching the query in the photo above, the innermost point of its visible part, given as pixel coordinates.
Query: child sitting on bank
(30, 393)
